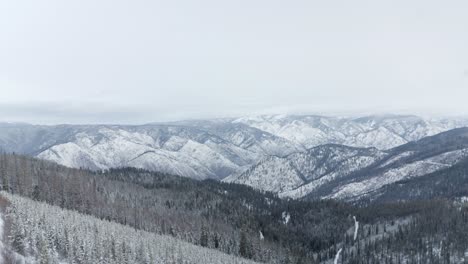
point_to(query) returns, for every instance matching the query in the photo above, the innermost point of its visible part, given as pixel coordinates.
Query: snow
(299, 174)
(92, 239)
(285, 176)
(383, 132)
(356, 228)
(397, 158)
(2, 246)
(185, 151)
(286, 217)
(380, 138)
(118, 148)
(414, 169)
(337, 256)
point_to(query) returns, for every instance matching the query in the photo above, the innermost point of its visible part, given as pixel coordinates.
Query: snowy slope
(349, 173)
(272, 174)
(71, 237)
(195, 155)
(359, 188)
(382, 132)
(299, 174)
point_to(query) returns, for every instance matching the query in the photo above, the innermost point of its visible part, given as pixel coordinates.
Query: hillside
(349, 173)
(41, 233)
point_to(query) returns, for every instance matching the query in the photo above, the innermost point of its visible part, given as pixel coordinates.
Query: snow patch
(356, 228)
(286, 217)
(337, 256)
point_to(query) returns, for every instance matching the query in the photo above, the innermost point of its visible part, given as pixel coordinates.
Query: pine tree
(203, 237)
(243, 245)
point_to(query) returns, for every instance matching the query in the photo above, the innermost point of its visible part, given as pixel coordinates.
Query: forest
(210, 216)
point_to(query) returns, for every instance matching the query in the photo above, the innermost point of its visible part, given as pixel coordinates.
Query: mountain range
(215, 149)
(346, 158)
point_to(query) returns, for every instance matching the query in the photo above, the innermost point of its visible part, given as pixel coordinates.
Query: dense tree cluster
(436, 234)
(46, 234)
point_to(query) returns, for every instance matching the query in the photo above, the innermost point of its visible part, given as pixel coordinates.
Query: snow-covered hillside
(272, 174)
(301, 173)
(41, 233)
(174, 149)
(349, 173)
(212, 148)
(382, 131)
(358, 188)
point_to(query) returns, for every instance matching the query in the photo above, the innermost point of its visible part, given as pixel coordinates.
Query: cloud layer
(142, 61)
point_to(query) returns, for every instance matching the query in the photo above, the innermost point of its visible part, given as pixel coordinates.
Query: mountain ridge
(218, 148)
(331, 172)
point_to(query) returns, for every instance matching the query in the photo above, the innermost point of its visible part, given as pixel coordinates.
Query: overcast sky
(135, 61)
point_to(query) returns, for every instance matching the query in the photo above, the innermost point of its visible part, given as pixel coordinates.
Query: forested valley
(56, 214)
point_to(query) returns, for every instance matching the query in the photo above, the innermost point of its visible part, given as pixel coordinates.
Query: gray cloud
(53, 113)
(141, 61)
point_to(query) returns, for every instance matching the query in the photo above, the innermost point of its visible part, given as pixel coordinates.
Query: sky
(138, 61)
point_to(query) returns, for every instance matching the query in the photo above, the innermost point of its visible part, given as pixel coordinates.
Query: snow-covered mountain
(302, 173)
(172, 148)
(212, 148)
(349, 173)
(379, 131)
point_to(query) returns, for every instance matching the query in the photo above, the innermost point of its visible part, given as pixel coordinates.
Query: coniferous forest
(54, 214)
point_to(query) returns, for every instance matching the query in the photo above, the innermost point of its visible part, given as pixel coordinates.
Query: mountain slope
(49, 234)
(382, 132)
(286, 175)
(451, 182)
(409, 161)
(302, 173)
(348, 173)
(174, 149)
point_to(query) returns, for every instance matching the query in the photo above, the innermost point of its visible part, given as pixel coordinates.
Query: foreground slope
(41, 233)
